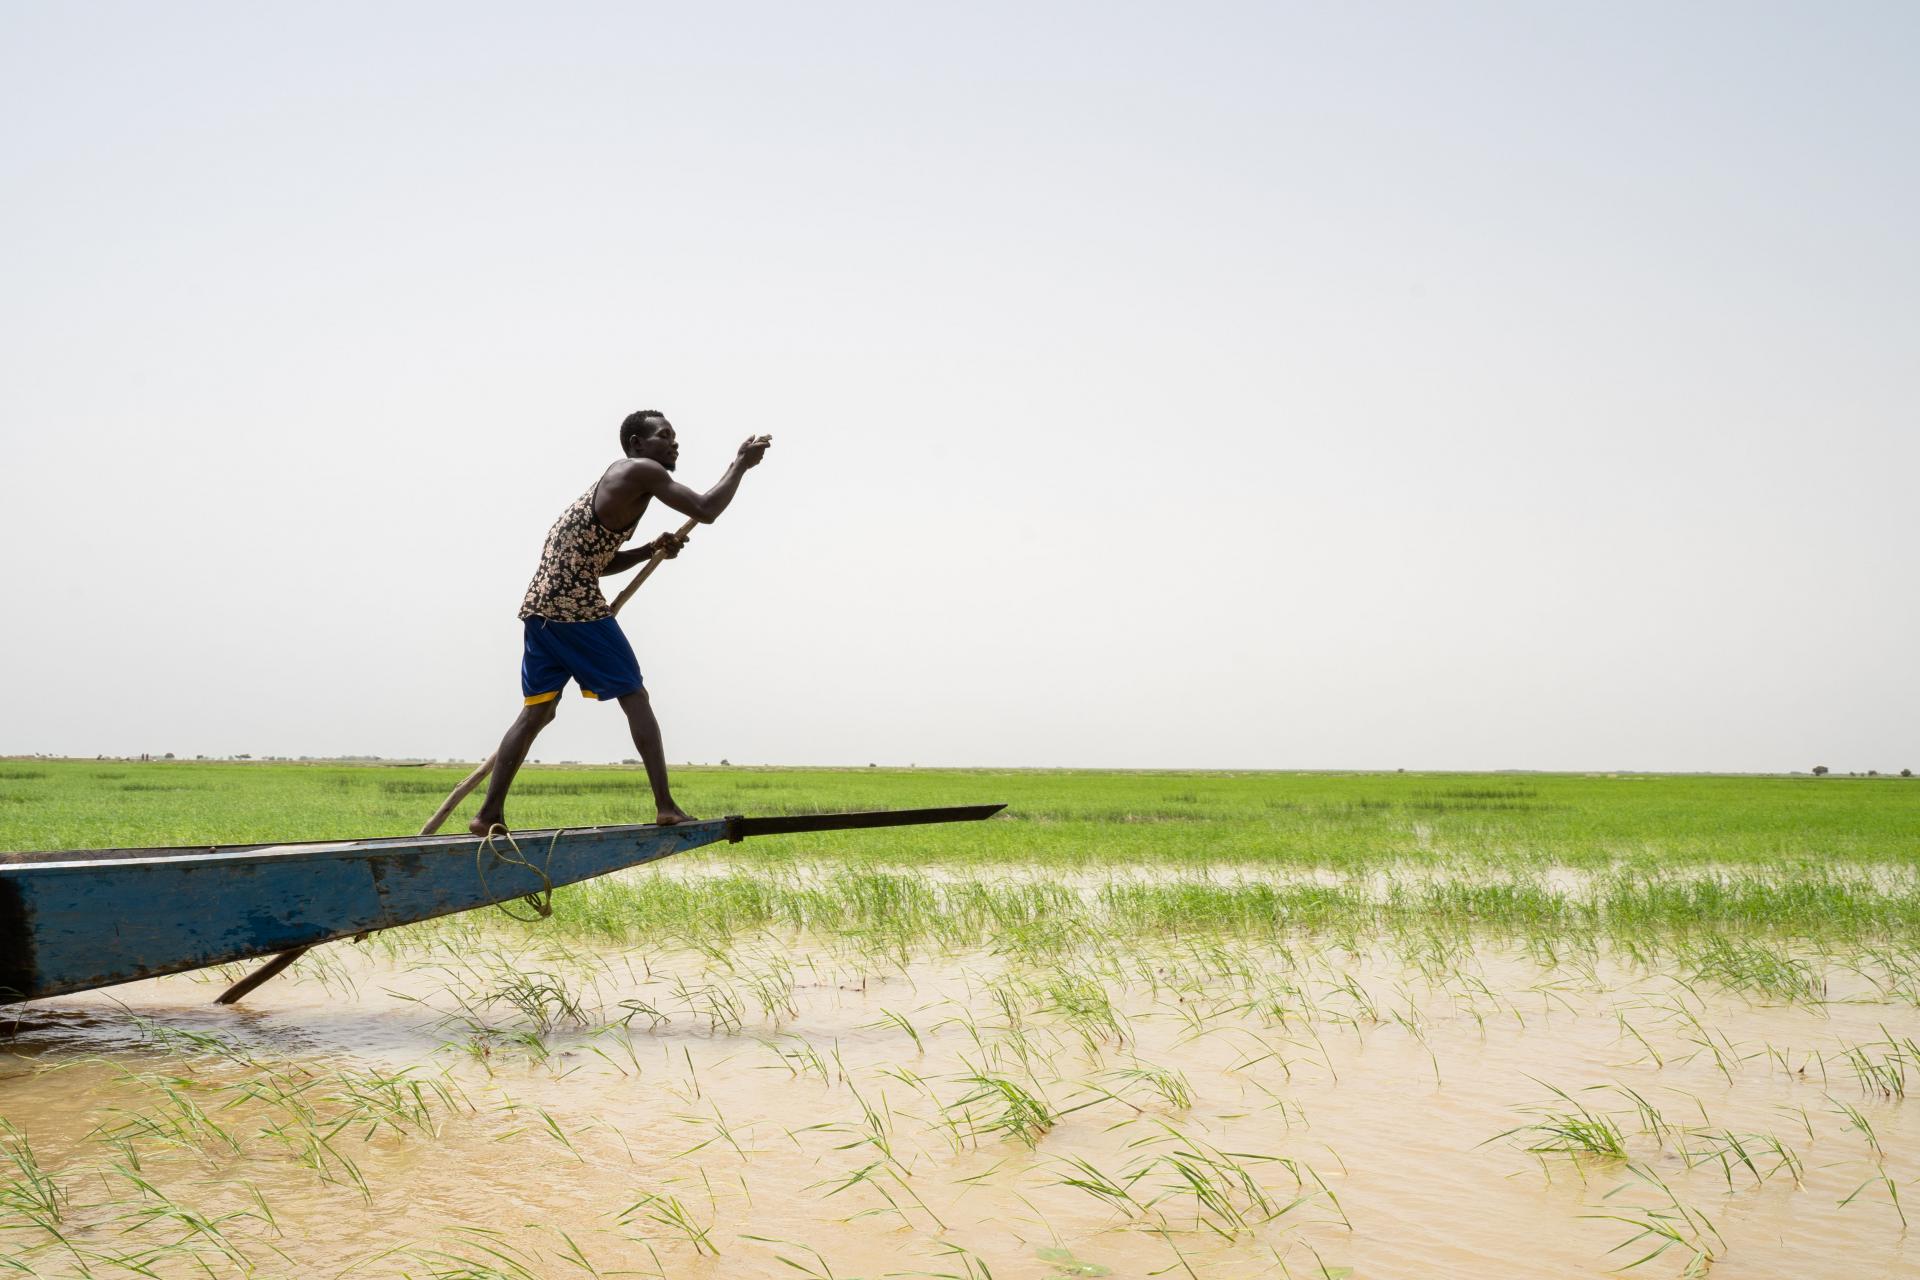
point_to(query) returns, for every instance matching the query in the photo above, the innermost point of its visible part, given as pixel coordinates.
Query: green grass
(1341, 821)
(1546, 856)
(885, 906)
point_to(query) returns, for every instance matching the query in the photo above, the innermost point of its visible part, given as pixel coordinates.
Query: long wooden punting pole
(479, 775)
(447, 806)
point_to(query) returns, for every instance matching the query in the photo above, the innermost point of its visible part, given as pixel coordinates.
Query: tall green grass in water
(1067, 819)
(970, 911)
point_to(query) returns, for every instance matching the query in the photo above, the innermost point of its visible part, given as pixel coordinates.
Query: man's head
(648, 434)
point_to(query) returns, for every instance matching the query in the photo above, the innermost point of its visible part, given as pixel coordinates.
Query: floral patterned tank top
(566, 587)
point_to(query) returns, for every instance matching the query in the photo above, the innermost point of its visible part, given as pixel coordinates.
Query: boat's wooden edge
(84, 858)
(734, 827)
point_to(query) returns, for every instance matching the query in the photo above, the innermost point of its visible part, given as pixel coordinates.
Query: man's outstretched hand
(754, 449)
(666, 546)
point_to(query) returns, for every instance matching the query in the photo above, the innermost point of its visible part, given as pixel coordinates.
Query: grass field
(1343, 821)
(1820, 856)
(1328, 1025)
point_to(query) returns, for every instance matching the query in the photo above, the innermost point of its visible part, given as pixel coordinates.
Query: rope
(541, 899)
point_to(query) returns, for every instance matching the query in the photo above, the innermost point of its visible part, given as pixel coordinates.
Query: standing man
(570, 631)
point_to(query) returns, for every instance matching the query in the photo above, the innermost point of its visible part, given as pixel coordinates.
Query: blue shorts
(594, 653)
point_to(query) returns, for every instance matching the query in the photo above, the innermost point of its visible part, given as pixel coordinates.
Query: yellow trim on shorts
(538, 698)
(588, 693)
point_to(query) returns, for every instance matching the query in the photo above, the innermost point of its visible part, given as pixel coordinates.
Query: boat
(77, 920)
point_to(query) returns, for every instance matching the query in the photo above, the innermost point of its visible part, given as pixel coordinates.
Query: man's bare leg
(646, 736)
(512, 754)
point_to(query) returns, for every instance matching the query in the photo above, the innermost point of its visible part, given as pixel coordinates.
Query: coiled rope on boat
(541, 899)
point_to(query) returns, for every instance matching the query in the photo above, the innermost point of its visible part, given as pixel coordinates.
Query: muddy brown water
(793, 1107)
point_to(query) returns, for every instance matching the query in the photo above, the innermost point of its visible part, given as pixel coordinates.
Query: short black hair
(638, 426)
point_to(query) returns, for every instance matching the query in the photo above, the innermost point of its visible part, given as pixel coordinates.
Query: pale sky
(1218, 385)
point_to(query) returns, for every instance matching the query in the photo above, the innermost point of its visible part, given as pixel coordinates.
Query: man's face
(662, 446)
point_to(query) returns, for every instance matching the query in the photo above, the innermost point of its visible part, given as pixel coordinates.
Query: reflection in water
(1143, 1107)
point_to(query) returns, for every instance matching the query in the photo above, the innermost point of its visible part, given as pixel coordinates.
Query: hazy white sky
(1242, 385)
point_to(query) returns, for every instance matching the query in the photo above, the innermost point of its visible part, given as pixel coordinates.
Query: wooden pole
(626, 593)
(479, 775)
(459, 793)
(447, 806)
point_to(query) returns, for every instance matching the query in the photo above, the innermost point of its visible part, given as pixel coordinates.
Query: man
(570, 631)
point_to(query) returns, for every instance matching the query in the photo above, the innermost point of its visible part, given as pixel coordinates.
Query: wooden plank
(740, 827)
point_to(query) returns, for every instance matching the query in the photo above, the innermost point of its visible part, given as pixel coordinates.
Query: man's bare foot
(482, 824)
(672, 815)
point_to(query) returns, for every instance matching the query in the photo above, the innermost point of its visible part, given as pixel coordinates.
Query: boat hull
(77, 921)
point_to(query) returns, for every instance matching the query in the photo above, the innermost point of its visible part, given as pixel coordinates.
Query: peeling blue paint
(85, 920)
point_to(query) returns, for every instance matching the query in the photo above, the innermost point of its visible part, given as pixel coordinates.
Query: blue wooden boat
(76, 920)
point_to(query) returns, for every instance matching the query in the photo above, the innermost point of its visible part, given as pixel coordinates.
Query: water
(1255, 1110)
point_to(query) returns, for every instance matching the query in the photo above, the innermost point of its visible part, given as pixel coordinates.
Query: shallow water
(1253, 1110)
(1377, 883)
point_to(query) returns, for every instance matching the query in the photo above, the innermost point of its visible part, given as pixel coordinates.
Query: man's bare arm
(634, 481)
(667, 544)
